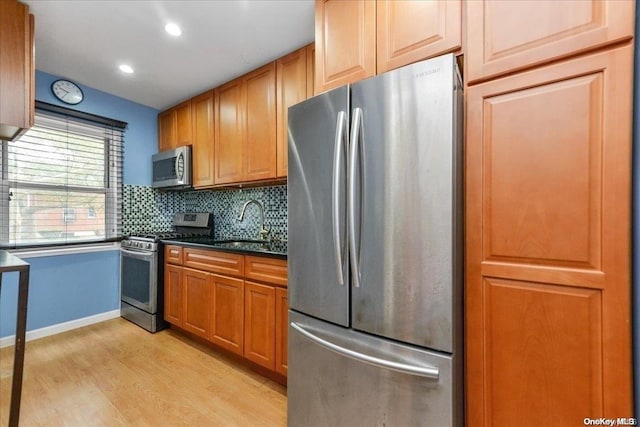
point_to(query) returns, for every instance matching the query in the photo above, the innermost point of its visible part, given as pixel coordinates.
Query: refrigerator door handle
(356, 126)
(335, 193)
(430, 372)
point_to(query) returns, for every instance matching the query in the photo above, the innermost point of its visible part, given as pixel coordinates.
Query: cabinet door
(173, 295)
(259, 324)
(227, 312)
(202, 150)
(410, 30)
(504, 36)
(167, 130)
(196, 302)
(291, 73)
(282, 326)
(345, 42)
(311, 70)
(184, 124)
(16, 69)
(228, 133)
(259, 128)
(547, 245)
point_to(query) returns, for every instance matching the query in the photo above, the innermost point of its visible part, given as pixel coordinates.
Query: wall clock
(67, 92)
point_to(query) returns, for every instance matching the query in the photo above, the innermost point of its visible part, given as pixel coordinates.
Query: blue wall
(70, 287)
(63, 288)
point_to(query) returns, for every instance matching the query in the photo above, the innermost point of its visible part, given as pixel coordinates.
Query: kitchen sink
(239, 243)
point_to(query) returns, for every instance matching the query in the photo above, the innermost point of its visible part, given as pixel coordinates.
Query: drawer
(214, 261)
(173, 254)
(264, 269)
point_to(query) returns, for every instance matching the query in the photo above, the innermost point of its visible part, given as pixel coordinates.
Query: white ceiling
(86, 40)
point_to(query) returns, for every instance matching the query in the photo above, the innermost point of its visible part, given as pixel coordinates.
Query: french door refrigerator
(375, 252)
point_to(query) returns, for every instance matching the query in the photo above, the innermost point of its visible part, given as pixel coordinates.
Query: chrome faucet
(262, 232)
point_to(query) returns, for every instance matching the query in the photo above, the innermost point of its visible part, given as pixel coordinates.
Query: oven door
(139, 279)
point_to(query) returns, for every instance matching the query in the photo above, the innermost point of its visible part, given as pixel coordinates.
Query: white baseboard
(61, 327)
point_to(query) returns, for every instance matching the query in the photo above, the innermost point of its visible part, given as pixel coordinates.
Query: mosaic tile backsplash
(148, 209)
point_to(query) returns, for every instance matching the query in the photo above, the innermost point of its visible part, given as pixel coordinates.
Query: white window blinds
(61, 183)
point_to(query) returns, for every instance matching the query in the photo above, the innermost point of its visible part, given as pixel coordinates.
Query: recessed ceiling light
(126, 68)
(173, 29)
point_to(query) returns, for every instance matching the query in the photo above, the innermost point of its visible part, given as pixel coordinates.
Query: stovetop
(150, 240)
(185, 224)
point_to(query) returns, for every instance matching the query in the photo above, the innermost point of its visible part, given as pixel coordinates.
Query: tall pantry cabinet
(548, 191)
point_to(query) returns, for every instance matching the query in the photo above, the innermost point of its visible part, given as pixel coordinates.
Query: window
(68, 214)
(61, 182)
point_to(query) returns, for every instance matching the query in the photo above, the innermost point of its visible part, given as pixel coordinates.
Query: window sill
(66, 250)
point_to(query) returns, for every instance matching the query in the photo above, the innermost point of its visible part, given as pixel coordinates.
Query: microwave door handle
(176, 167)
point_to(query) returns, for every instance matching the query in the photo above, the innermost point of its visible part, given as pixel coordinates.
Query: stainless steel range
(141, 269)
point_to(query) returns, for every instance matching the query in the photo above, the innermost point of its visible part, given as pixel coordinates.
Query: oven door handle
(138, 254)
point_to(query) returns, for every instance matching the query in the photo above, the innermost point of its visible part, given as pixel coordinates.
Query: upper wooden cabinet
(345, 42)
(229, 108)
(166, 130)
(409, 31)
(238, 131)
(291, 76)
(175, 127)
(505, 36)
(245, 128)
(259, 133)
(361, 38)
(17, 72)
(202, 147)
(311, 70)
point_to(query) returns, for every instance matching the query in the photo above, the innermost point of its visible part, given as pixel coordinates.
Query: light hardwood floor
(116, 374)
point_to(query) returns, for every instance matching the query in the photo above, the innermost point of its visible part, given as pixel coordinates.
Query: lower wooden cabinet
(196, 302)
(243, 310)
(259, 324)
(282, 327)
(227, 309)
(173, 294)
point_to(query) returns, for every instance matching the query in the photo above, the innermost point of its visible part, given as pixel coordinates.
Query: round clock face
(67, 92)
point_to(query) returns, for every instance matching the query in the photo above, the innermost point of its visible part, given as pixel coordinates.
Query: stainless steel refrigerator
(375, 252)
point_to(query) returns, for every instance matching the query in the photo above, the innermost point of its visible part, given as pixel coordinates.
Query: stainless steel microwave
(172, 169)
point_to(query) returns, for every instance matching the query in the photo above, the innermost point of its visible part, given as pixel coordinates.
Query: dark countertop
(274, 248)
